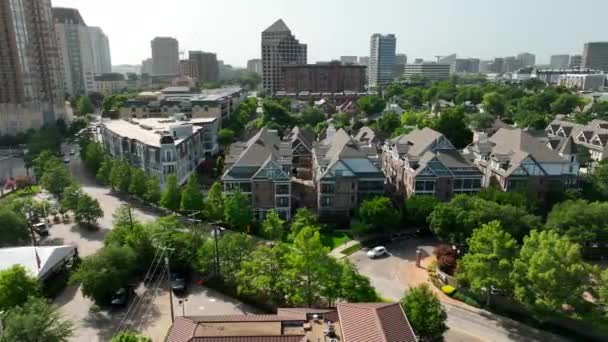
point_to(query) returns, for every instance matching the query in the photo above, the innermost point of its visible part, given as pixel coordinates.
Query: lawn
(333, 239)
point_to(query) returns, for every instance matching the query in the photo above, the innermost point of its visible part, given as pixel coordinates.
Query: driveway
(152, 317)
(394, 274)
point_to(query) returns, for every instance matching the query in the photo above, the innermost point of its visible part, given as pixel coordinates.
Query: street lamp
(182, 302)
(217, 231)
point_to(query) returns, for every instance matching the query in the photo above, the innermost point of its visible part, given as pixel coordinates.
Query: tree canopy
(579, 220)
(379, 213)
(237, 210)
(171, 197)
(16, 286)
(425, 313)
(35, 321)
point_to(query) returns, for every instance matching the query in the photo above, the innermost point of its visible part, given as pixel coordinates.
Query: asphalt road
(394, 274)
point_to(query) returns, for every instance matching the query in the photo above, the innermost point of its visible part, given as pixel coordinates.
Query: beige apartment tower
(31, 85)
(279, 48)
(165, 56)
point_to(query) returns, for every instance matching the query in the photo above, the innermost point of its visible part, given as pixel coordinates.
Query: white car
(376, 252)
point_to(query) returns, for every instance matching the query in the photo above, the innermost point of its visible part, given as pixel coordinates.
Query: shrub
(446, 258)
(448, 289)
(352, 249)
(466, 299)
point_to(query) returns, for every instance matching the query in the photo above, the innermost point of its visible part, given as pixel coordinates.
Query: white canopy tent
(39, 261)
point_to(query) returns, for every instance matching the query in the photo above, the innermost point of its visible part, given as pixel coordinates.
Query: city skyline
(475, 29)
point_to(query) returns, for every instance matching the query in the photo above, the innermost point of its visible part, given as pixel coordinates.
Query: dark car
(120, 297)
(178, 283)
(66, 160)
(41, 228)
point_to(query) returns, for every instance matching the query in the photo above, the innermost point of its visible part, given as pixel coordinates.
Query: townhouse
(572, 140)
(424, 162)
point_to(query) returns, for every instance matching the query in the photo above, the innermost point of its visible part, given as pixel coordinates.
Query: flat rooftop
(150, 130)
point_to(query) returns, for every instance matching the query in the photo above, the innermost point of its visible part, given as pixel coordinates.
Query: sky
(333, 28)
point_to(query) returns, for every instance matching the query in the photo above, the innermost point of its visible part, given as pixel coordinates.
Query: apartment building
(551, 76)
(279, 48)
(348, 322)
(31, 81)
(512, 159)
(585, 82)
(330, 77)
(570, 139)
(110, 83)
(301, 141)
(255, 65)
(430, 71)
(424, 162)
(100, 44)
(210, 103)
(595, 56)
(345, 172)
(165, 56)
(162, 146)
(381, 59)
(76, 51)
(261, 168)
(205, 66)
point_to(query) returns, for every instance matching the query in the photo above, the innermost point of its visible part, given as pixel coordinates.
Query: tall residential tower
(165, 56)
(595, 56)
(279, 48)
(31, 83)
(101, 51)
(381, 59)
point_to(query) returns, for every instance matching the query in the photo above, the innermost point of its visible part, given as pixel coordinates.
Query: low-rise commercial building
(111, 83)
(345, 172)
(551, 76)
(162, 146)
(323, 77)
(430, 71)
(512, 159)
(424, 162)
(261, 169)
(582, 81)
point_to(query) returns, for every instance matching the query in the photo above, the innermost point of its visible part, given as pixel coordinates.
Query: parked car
(41, 228)
(376, 252)
(72, 152)
(120, 298)
(178, 283)
(66, 160)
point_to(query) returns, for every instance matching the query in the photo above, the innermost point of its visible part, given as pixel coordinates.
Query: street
(392, 275)
(151, 318)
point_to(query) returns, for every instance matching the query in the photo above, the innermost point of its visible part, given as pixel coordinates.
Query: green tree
(88, 210)
(579, 220)
(47, 138)
(43, 161)
(225, 136)
(138, 182)
(565, 104)
(489, 260)
(128, 231)
(237, 210)
(494, 103)
(113, 102)
(261, 274)
(153, 193)
(71, 197)
(105, 170)
(234, 249)
(311, 116)
(379, 213)
(371, 104)
(455, 221)
(171, 197)
(603, 289)
(85, 106)
(355, 288)
(549, 272)
(169, 232)
(35, 321)
(307, 271)
(120, 176)
(130, 337)
(451, 123)
(425, 313)
(214, 204)
(16, 286)
(93, 157)
(272, 227)
(192, 196)
(388, 123)
(104, 272)
(416, 209)
(14, 231)
(480, 121)
(55, 179)
(303, 218)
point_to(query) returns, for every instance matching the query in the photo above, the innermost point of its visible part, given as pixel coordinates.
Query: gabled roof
(417, 142)
(31, 257)
(305, 136)
(366, 135)
(519, 143)
(374, 322)
(278, 26)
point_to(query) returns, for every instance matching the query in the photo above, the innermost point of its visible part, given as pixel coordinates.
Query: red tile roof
(374, 322)
(245, 318)
(182, 330)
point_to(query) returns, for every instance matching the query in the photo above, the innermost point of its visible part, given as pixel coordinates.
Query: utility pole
(170, 290)
(216, 232)
(130, 217)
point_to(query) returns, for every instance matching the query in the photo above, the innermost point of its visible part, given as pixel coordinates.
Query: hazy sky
(331, 28)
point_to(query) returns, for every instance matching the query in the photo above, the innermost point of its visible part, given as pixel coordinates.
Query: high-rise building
(76, 51)
(348, 59)
(449, 59)
(560, 61)
(576, 61)
(255, 65)
(279, 48)
(101, 51)
(430, 71)
(498, 65)
(526, 59)
(165, 56)
(381, 59)
(511, 64)
(31, 83)
(400, 62)
(595, 56)
(485, 67)
(465, 65)
(330, 77)
(207, 66)
(188, 68)
(147, 67)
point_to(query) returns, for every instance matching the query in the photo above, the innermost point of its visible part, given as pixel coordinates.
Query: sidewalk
(337, 252)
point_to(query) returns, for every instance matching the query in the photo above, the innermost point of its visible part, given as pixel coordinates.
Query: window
(282, 189)
(282, 202)
(327, 201)
(425, 186)
(329, 188)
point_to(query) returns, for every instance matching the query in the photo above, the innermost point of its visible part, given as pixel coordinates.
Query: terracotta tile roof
(291, 338)
(241, 318)
(374, 322)
(182, 330)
